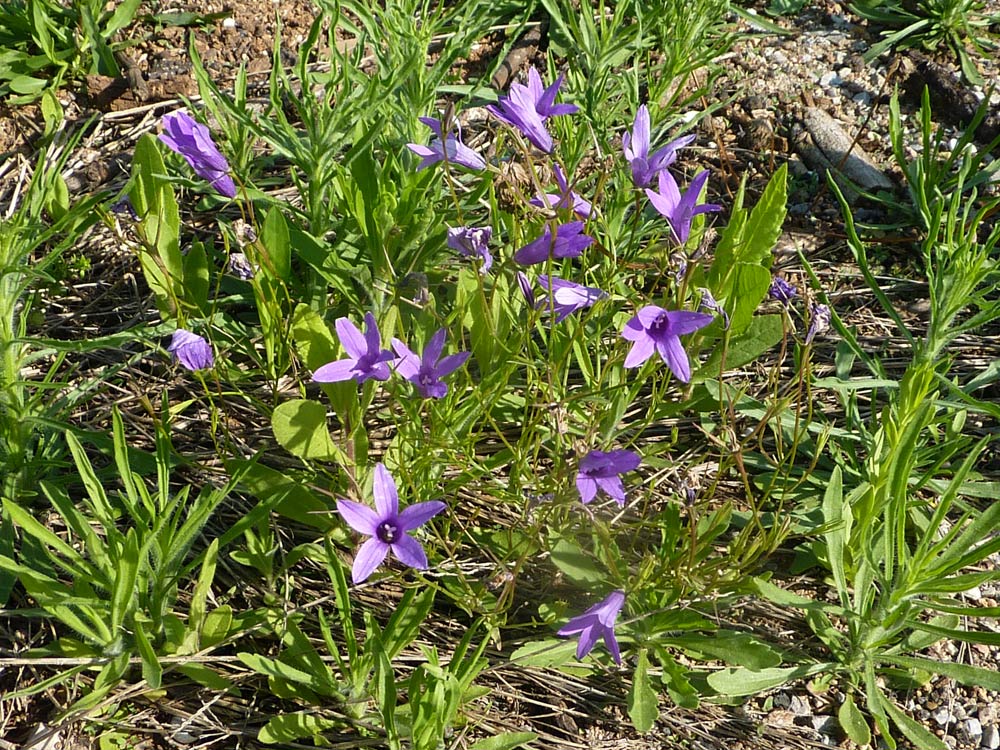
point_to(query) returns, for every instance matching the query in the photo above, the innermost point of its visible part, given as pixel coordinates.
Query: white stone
(229, 23)
(941, 715)
(991, 737)
(972, 728)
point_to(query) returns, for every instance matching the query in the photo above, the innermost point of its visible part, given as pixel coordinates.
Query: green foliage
(46, 42)
(931, 24)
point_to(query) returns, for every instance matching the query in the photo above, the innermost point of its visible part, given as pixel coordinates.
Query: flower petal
(587, 488)
(384, 492)
(351, 338)
(641, 350)
(409, 552)
(333, 372)
(419, 513)
(672, 352)
(685, 321)
(449, 364)
(359, 517)
(370, 556)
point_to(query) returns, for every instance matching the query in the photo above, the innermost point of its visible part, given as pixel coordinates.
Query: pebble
(991, 737)
(941, 715)
(830, 78)
(229, 23)
(972, 729)
(800, 706)
(825, 724)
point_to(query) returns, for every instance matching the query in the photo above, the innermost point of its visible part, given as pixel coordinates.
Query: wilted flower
(565, 198)
(192, 140)
(679, 209)
(452, 150)
(472, 243)
(239, 266)
(636, 148)
(191, 350)
(654, 328)
(426, 371)
(527, 107)
(782, 291)
(597, 622)
(366, 359)
(600, 470)
(124, 207)
(387, 527)
(708, 302)
(567, 296)
(568, 242)
(819, 320)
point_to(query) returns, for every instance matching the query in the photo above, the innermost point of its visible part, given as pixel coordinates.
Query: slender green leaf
(643, 708)
(853, 722)
(505, 741)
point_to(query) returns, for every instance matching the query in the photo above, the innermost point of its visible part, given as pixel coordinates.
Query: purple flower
(680, 209)
(472, 243)
(426, 372)
(527, 107)
(567, 296)
(596, 622)
(189, 138)
(565, 198)
(387, 527)
(782, 291)
(124, 207)
(654, 328)
(636, 148)
(819, 320)
(600, 470)
(453, 150)
(525, 283)
(191, 350)
(366, 359)
(568, 242)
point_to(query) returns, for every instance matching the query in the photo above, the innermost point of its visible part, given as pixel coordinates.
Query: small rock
(830, 78)
(863, 98)
(229, 22)
(972, 729)
(781, 700)
(827, 725)
(991, 737)
(987, 714)
(941, 715)
(800, 706)
(975, 593)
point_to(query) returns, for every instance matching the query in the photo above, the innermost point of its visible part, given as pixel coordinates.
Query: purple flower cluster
(367, 360)
(526, 108)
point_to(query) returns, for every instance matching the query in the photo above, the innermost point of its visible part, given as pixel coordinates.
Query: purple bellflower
(192, 140)
(819, 320)
(654, 328)
(636, 147)
(366, 359)
(191, 350)
(565, 198)
(596, 622)
(782, 291)
(568, 242)
(711, 304)
(472, 242)
(679, 209)
(441, 148)
(567, 296)
(525, 284)
(387, 527)
(600, 470)
(426, 371)
(527, 107)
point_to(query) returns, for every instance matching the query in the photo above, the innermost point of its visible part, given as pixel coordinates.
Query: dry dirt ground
(769, 85)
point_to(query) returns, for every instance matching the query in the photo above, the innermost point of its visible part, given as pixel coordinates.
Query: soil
(771, 85)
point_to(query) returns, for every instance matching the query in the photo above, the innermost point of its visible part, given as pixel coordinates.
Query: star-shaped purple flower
(366, 359)
(654, 328)
(568, 242)
(636, 148)
(426, 371)
(192, 140)
(597, 622)
(387, 527)
(527, 107)
(679, 209)
(452, 150)
(600, 471)
(565, 198)
(191, 350)
(567, 296)
(472, 242)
